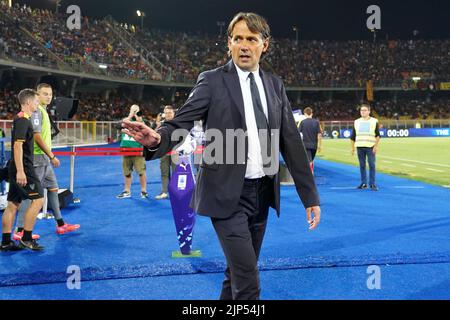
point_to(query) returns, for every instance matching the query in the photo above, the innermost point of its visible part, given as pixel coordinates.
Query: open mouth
(244, 57)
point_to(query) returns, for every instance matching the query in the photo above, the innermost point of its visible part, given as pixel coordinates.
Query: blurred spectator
(115, 108)
(185, 55)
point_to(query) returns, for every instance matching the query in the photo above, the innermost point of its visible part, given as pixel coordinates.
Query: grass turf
(423, 159)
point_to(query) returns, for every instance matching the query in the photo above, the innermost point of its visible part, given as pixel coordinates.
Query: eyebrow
(248, 37)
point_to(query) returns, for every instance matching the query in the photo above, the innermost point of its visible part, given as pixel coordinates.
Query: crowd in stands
(412, 109)
(41, 37)
(306, 63)
(402, 109)
(185, 54)
(84, 49)
(97, 107)
(116, 106)
(15, 45)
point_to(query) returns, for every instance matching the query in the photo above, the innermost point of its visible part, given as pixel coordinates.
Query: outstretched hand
(141, 133)
(313, 217)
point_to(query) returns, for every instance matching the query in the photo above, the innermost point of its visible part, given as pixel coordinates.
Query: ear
(265, 45)
(229, 46)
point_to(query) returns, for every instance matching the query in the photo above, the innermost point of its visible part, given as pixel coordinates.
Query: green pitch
(424, 159)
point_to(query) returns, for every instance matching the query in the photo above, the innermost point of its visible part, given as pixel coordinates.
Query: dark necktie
(261, 121)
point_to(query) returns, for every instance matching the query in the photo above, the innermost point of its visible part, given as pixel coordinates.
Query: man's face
(45, 96)
(365, 112)
(246, 47)
(35, 103)
(32, 104)
(169, 114)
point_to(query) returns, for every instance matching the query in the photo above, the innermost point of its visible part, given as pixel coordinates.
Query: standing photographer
(166, 161)
(130, 162)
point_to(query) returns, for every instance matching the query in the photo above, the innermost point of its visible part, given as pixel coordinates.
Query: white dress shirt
(254, 158)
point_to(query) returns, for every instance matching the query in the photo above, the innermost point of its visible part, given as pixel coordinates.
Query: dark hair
(43, 85)
(308, 111)
(364, 105)
(25, 95)
(255, 23)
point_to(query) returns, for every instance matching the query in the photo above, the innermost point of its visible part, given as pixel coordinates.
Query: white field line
(401, 159)
(342, 188)
(408, 165)
(409, 187)
(396, 187)
(435, 170)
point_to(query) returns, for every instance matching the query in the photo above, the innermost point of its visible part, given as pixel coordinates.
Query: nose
(244, 49)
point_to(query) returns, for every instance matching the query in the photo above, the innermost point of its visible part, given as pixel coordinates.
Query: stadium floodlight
(416, 78)
(374, 31)
(295, 29)
(103, 66)
(220, 24)
(141, 14)
(57, 5)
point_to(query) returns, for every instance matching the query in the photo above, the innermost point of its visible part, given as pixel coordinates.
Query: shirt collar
(243, 75)
(25, 115)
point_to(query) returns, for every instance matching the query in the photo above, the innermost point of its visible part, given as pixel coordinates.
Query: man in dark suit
(236, 191)
(311, 134)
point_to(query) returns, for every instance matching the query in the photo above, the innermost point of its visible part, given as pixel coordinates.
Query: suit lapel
(272, 109)
(232, 82)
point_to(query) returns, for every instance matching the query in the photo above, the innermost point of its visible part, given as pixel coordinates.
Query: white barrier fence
(78, 132)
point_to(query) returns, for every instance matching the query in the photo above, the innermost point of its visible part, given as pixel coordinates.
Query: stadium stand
(307, 63)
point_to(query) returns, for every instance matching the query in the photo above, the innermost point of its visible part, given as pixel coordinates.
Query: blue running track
(124, 247)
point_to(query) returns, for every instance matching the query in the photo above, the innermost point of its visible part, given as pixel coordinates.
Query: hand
(313, 221)
(141, 133)
(353, 152)
(374, 149)
(319, 149)
(55, 162)
(21, 179)
(134, 109)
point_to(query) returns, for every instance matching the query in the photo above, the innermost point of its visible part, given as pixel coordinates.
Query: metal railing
(96, 132)
(158, 67)
(78, 132)
(86, 132)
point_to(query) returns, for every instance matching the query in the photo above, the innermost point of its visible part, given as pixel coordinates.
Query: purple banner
(181, 187)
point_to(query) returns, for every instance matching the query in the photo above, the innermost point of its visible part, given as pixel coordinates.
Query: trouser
(47, 177)
(165, 165)
(241, 237)
(363, 153)
(311, 153)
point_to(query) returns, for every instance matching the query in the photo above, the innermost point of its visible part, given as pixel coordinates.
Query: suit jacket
(217, 100)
